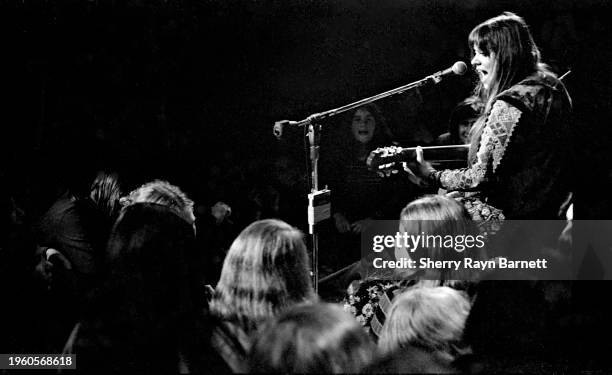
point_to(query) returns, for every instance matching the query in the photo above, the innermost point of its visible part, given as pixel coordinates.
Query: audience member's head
(428, 318)
(150, 240)
(266, 270)
(368, 126)
(144, 314)
(461, 120)
(437, 216)
(312, 338)
(164, 193)
(436, 211)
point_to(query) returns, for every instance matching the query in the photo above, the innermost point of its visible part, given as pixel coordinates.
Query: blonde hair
(312, 338)
(265, 270)
(164, 193)
(437, 215)
(430, 318)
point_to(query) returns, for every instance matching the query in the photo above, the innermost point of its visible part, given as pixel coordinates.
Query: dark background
(184, 90)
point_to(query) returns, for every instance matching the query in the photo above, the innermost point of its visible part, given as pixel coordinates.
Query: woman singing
(519, 156)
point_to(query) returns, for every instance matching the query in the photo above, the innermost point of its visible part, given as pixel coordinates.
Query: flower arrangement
(363, 300)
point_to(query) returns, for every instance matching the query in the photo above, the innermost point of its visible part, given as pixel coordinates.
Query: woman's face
(464, 129)
(363, 126)
(484, 65)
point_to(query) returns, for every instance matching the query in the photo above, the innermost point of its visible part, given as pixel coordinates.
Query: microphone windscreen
(459, 68)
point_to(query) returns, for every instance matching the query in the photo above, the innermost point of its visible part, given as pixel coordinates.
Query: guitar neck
(450, 156)
(435, 148)
(433, 153)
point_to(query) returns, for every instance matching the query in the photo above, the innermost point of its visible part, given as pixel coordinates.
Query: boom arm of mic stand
(316, 118)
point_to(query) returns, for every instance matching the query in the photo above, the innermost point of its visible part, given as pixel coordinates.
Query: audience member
(265, 271)
(461, 120)
(312, 338)
(435, 215)
(431, 319)
(143, 318)
(77, 226)
(164, 193)
(71, 236)
(352, 180)
(359, 195)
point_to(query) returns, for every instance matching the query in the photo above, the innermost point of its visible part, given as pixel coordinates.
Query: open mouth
(363, 132)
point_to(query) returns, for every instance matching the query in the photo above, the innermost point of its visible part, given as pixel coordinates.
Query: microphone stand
(318, 117)
(312, 125)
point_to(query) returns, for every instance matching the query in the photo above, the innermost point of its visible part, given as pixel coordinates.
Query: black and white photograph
(305, 186)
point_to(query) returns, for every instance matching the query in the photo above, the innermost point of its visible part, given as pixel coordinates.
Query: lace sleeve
(495, 138)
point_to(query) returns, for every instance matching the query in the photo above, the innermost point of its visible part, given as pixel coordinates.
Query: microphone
(459, 68)
(279, 127)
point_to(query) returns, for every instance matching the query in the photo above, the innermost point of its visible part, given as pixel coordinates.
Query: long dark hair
(265, 271)
(517, 56)
(468, 110)
(144, 315)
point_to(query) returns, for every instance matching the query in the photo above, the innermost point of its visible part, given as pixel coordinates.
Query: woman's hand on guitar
(412, 177)
(419, 171)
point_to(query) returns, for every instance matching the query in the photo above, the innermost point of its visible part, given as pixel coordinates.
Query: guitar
(389, 159)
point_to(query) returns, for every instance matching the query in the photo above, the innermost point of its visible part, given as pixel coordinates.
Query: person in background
(359, 192)
(359, 195)
(461, 120)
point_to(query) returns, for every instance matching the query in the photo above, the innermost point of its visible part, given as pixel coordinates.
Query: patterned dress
(520, 157)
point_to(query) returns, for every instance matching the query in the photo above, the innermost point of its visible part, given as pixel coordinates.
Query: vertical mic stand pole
(314, 137)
